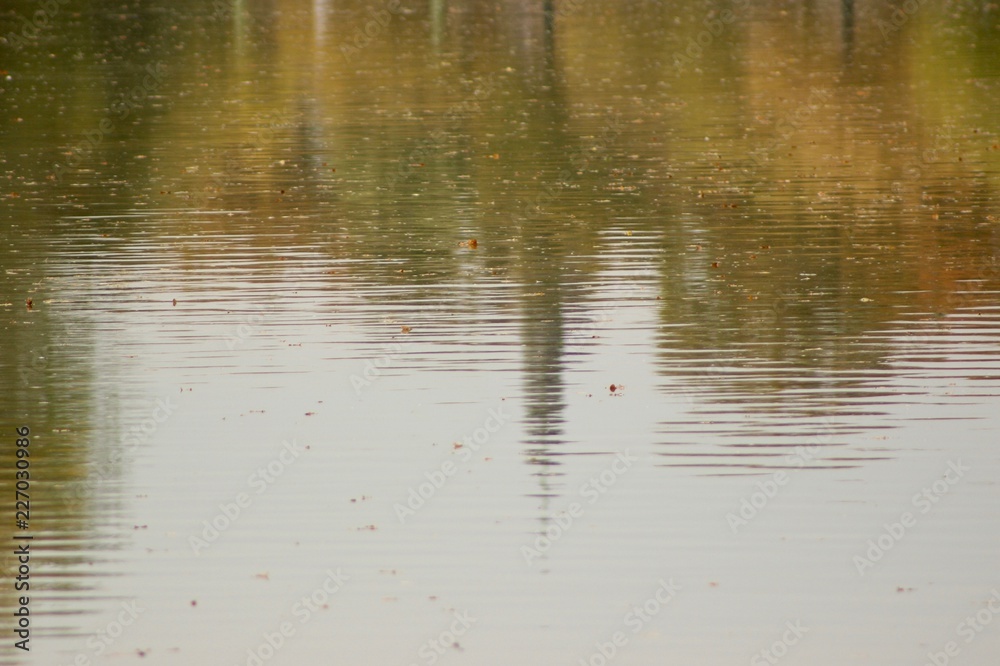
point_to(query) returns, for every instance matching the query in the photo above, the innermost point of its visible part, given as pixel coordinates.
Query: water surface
(282, 407)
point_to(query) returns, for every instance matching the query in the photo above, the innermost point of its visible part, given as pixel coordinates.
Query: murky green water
(323, 329)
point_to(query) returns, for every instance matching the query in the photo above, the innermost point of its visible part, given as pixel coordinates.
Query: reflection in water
(543, 316)
(787, 252)
(847, 29)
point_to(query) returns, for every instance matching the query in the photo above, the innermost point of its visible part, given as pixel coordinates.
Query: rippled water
(525, 332)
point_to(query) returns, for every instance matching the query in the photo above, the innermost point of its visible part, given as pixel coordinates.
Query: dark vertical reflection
(542, 260)
(543, 331)
(439, 13)
(549, 10)
(48, 384)
(847, 29)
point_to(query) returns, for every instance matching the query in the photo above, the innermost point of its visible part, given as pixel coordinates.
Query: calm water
(519, 332)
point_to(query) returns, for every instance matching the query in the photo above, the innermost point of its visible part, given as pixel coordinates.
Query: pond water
(525, 332)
